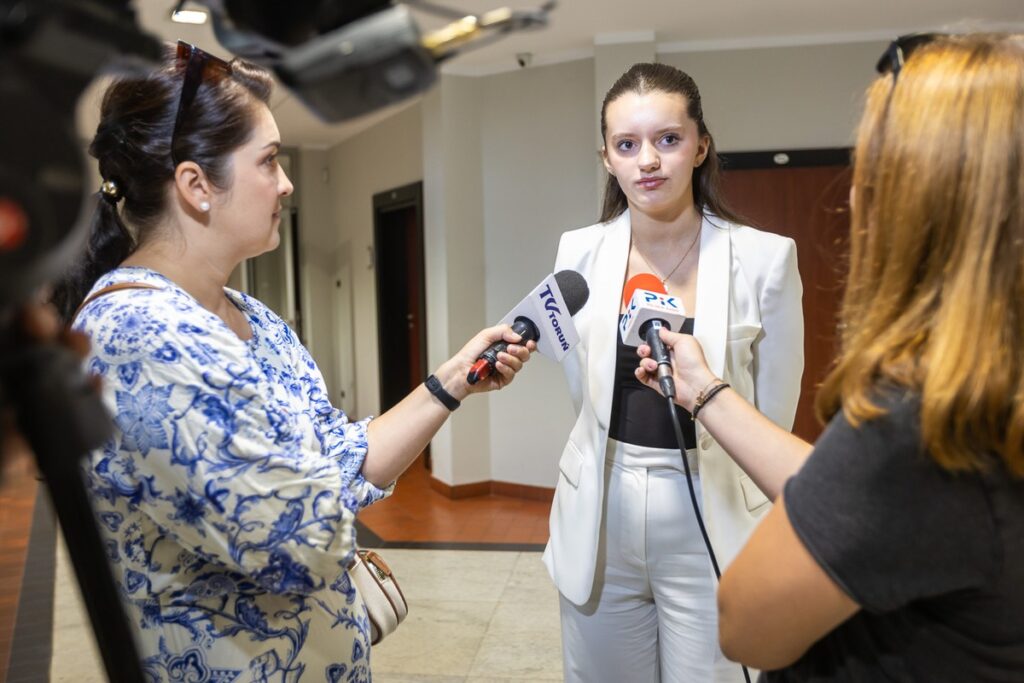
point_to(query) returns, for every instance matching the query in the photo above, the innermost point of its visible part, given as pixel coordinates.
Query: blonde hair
(935, 299)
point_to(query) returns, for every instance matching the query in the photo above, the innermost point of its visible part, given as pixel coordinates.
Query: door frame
(786, 158)
(343, 317)
(395, 199)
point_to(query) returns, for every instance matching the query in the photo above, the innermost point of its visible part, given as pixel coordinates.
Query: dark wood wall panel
(809, 204)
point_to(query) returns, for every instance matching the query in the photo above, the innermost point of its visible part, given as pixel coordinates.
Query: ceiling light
(189, 16)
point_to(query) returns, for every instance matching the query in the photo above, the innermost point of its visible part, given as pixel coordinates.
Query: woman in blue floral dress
(228, 493)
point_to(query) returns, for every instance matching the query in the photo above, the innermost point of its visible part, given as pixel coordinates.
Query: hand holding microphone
(541, 322)
(487, 361)
(543, 317)
(650, 309)
(690, 368)
(515, 352)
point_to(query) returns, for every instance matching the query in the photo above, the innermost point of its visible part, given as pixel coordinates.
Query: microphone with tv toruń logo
(544, 316)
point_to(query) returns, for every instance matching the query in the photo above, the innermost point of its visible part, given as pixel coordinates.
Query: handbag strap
(107, 290)
(369, 557)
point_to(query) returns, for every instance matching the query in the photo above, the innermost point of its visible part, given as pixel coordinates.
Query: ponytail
(109, 244)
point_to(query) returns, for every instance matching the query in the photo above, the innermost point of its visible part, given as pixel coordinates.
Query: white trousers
(653, 615)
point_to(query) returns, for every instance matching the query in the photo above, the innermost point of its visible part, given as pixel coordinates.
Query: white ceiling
(675, 25)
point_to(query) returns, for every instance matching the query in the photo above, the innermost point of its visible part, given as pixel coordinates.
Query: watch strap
(433, 385)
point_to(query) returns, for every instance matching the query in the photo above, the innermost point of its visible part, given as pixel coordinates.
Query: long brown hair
(935, 300)
(648, 77)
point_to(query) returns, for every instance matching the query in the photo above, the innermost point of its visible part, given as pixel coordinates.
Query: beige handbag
(385, 604)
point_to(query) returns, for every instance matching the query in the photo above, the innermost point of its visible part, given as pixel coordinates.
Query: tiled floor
(474, 617)
(75, 657)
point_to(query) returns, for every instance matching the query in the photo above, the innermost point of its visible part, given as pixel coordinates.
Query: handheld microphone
(649, 311)
(648, 281)
(544, 316)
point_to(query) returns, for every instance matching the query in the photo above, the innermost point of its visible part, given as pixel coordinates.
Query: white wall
(317, 232)
(789, 97)
(386, 156)
(539, 166)
(453, 208)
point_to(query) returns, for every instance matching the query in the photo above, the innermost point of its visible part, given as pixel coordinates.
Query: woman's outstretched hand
(400, 434)
(689, 367)
(454, 372)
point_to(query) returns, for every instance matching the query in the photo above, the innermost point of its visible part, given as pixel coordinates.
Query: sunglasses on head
(200, 66)
(899, 52)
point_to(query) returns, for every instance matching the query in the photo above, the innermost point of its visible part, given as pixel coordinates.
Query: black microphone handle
(659, 353)
(522, 326)
(486, 361)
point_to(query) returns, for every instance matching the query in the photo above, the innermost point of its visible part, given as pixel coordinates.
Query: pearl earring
(204, 206)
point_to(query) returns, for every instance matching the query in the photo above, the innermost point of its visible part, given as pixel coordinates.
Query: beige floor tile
(530, 655)
(451, 574)
(415, 678)
(512, 618)
(530, 582)
(437, 638)
(76, 658)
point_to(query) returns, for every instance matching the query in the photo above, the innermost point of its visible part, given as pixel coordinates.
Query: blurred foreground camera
(50, 50)
(344, 65)
(342, 59)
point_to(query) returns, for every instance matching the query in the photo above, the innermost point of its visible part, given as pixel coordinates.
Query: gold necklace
(671, 272)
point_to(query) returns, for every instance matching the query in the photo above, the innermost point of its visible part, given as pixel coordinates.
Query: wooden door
(398, 247)
(811, 205)
(401, 293)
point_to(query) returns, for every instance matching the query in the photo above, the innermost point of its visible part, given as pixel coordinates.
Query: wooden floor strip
(417, 516)
(17, 500)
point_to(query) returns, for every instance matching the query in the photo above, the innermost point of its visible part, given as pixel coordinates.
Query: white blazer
(749, 322)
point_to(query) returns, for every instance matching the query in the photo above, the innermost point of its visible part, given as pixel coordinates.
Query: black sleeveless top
(639, 413)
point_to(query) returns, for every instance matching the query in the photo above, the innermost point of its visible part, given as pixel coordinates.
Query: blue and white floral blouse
(226, 496)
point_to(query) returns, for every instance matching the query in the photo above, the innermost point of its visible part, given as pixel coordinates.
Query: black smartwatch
(433, 385)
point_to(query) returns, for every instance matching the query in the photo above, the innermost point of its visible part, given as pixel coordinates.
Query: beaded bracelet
(702, 394)
(703, 399)
(707, 386)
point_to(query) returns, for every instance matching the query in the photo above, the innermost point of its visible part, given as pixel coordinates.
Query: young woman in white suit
(636, 586)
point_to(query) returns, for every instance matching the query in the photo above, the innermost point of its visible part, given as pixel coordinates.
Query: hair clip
(111, 192)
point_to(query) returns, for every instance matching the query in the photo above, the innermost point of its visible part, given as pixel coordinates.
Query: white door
(343, 339)
(271, 277)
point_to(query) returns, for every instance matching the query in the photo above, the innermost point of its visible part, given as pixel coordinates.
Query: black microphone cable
(689, 482)
(693, 499)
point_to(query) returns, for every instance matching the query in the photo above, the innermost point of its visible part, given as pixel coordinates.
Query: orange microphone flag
(648, 281)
